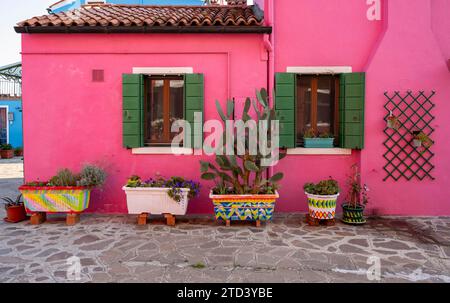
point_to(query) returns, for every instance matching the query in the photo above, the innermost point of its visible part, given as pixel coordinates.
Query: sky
(11, 12)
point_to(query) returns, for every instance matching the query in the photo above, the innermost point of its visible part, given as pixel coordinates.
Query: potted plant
(356, 200)
(393, 122)
(159, 196)
(324, 140)
(6, 151)
(322, 199)
(65, 192)
(18, 152)
(15, 210)
(241, 193)
(421, 139)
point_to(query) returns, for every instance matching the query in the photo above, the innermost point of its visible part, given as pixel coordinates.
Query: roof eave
(142, 29)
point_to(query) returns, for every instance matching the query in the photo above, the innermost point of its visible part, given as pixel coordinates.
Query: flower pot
(417, 143)
(15, 214)
(353, 215)
(155, 201)
(18, 153)
(7, 154)
(56, 199)
(318, 142)
(244, 207)
(322, 207)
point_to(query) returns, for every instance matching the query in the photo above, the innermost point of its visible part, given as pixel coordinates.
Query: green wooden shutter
(132, 110)
(351, 110)
(285, 106)
(194, 99)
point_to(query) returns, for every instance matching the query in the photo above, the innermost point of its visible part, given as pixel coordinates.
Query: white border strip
(163, 70)
(319, 151)
(162, 151)
(308, 70)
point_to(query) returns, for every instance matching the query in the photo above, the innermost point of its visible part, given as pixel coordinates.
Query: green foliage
(324, 188)
(175, 184)
(243, 174)
(6, 147)
(199, 265)
(18, 151)
(92, 175)
(309, 133)
(326, 135)
(64, 177)
(426, 141)
(9, 202)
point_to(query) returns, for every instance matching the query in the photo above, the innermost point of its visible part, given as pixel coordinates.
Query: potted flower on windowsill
(159, 196)
(324, 140)
(241, 193)
(65, 192)
(322, 198)
(15, 210)
(357, 199)
(6, 151)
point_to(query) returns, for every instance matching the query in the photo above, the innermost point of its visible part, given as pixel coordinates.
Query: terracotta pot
(16, 213)
(18, 153)
(7, 154)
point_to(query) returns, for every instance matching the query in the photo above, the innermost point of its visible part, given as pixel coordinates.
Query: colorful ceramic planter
(155, 201)
(318, 142)
(353, 215)
(244, 207)
(53, 199)
(322, 207)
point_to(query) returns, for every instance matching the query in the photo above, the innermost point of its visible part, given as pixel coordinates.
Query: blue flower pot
(318, 142)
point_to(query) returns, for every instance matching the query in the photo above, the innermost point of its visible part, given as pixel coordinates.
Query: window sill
(162, 151)
(319, 151)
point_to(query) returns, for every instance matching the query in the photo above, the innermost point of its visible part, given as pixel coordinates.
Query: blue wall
(15, 128)
(78, 3)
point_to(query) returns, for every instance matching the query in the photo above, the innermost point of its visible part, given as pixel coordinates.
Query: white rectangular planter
(155, 201)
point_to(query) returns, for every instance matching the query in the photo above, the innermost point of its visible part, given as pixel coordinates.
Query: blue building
(11, 105)
(65, 5)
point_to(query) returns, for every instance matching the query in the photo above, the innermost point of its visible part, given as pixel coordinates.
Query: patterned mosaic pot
(52, 199)
(322, 207)
(244, 207)
(353, 215)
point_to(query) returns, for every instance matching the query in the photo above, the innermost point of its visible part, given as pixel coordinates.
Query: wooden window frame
(314, 103)
(166, 109)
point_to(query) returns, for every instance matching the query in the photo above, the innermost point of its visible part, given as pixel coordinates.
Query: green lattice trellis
(414, 112)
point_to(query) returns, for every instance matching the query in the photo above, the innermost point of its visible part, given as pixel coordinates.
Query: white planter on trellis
(155, 201)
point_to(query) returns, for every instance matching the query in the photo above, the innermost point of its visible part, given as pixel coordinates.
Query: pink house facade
(72, 117)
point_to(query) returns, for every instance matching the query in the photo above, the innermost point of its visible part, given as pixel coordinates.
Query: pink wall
(320, 33)
(66, 114)
(409, 58)
(70, 120)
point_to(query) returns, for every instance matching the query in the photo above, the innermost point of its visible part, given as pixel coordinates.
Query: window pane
(325, 104)
(303, 105)
(155, 123)
(176, 102)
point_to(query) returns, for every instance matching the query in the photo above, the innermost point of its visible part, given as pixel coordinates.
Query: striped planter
(353, 215)
(244, 207)
(52, 199)
(322, 207)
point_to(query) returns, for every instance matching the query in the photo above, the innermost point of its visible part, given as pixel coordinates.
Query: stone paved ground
(115, 249)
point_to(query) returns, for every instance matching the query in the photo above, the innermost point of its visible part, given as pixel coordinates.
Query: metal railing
(10, 89)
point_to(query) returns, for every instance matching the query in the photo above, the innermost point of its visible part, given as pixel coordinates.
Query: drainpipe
(269, 46)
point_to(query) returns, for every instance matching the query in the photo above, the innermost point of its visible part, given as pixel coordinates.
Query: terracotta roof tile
(135, 16)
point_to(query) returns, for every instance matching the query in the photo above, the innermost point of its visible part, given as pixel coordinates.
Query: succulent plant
(64, 177)
(324, 188)
(242, 172)
(9, 202)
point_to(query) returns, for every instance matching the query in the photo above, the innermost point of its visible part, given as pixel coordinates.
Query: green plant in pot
(6, 151)
(313, 140)
(322, 198)
(357, 199)
(243, 190)
(15, 210)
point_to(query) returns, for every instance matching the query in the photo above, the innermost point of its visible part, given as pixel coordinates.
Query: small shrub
(92, 175)
(64, 177)
(6, 147)
(324, 188)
